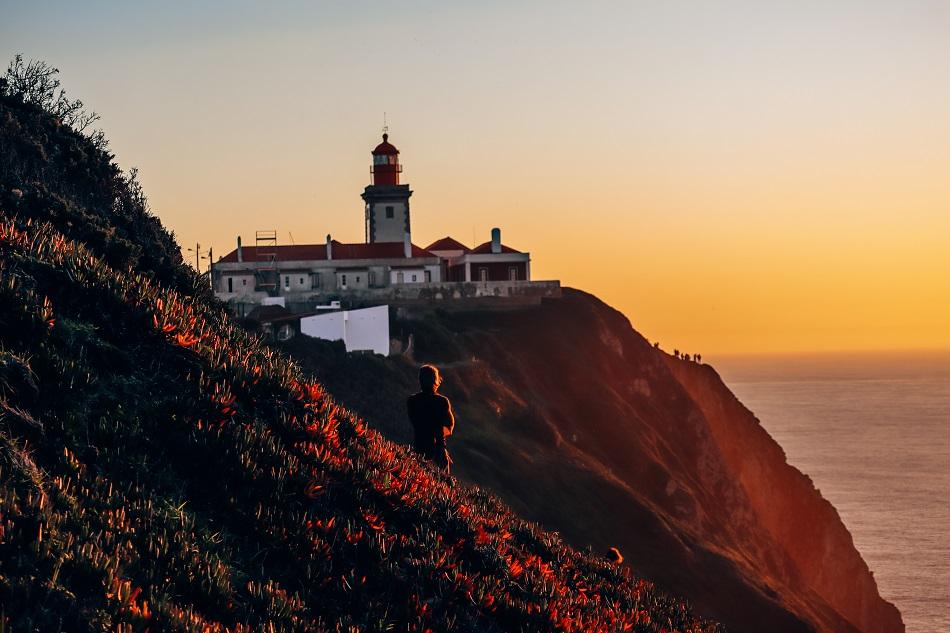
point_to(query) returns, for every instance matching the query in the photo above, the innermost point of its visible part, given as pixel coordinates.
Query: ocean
(873, 433)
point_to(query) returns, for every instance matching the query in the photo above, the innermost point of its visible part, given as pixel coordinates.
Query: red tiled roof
(284, 253)
(447, 244)
(485, 248)
(310, 252)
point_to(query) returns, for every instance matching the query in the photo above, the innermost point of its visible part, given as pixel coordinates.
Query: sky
(737, 177)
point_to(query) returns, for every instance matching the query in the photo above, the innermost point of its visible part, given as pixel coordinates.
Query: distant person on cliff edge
(432, 418)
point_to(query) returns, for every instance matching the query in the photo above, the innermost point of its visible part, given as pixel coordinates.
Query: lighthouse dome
(385, 148)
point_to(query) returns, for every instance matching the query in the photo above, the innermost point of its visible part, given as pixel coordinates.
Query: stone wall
(446, 295)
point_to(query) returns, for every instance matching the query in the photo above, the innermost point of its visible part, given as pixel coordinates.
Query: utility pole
(199, 256)
(210, 268)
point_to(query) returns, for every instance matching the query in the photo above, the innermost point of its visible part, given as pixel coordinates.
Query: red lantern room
(386, 165)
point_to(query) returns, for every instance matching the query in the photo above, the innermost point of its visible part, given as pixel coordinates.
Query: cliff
(580, 424)
(804, 524)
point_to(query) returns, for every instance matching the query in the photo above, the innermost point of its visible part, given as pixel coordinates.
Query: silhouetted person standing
(432, 418)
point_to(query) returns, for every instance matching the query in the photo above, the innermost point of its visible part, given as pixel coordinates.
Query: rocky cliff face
(787, 505)
(580, 424)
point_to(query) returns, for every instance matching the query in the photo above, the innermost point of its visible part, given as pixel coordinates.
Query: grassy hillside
(161, 470)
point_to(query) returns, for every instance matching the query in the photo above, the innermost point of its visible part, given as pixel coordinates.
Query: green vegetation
(160, 469)
(52, 173)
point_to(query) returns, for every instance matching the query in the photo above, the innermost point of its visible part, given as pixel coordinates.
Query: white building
(491, 261)
(253, 273)
(361, 330)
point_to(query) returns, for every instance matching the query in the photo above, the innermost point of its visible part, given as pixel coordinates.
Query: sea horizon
(865, 363)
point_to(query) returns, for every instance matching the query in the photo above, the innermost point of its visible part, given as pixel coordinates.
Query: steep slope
(583, 426)
(161, 470)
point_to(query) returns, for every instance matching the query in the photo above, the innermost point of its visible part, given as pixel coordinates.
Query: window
(413, 278)
(315, 280)
(483, 274)
(400, 278)
(244, 282)
(428, 276)
(357, 279)
(389, 213)
(230, 284)
(513, 273)
(343, 280)
(301, 281)
(287, 283)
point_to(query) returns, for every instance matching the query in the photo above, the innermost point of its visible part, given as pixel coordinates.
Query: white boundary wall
(366, 329)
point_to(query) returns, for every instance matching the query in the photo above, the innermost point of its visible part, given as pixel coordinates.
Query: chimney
(406, 245)
(240, 251)
(496, 240)
(329, 247)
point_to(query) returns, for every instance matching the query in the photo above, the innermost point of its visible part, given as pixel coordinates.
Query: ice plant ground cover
(163, 469)
(160, 469)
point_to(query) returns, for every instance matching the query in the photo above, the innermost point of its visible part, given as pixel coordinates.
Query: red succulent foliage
(310, 498)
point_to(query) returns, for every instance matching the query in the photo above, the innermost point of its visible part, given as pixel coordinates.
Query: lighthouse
(387, 201)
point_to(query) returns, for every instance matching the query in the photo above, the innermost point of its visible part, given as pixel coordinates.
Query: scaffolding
(265, 252)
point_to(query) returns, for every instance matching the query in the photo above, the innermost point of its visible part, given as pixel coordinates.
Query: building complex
(385, 268)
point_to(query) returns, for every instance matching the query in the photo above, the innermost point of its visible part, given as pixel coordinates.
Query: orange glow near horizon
(743, 179)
